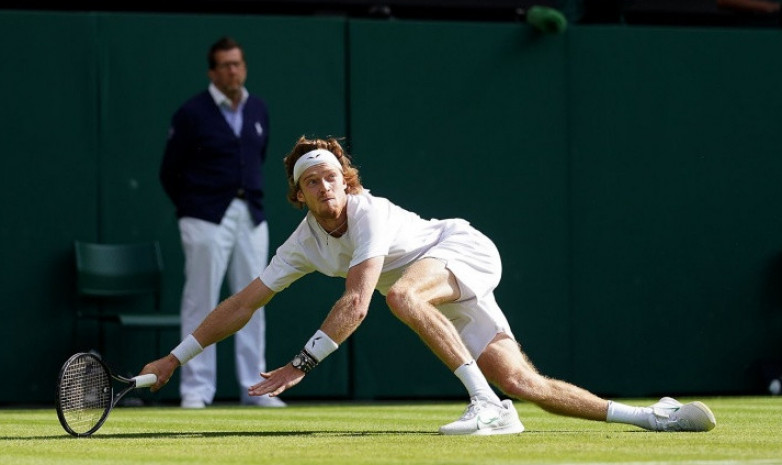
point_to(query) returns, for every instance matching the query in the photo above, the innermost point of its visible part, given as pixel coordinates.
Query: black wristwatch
(304, 362)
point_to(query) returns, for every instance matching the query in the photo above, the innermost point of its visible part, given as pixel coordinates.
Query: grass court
(749, 431)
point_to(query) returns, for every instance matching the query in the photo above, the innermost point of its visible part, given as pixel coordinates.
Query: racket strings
(85, 394)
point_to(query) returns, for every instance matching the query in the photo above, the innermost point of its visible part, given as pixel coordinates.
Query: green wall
(629, 176)
(677, 231)
(472, 115)
(48, 170)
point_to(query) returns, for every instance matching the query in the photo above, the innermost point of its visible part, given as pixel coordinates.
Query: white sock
(477, 386)
(621, 413)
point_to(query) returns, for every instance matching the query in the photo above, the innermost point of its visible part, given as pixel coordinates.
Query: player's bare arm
(351, 309)
(233, 313)
(344, 318)
(229, 317)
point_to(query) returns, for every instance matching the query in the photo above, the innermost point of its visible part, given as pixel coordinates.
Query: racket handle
(145, 380)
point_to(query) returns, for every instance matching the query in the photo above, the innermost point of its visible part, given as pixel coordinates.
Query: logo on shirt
(258, 128)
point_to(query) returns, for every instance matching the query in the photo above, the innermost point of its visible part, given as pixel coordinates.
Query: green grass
(749, 430)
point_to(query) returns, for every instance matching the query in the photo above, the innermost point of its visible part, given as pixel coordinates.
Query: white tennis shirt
(376, 227)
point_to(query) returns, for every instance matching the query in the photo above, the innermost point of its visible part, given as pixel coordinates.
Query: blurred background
(628, 168)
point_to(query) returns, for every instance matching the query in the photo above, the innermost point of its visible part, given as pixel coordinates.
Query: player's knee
(400, 300)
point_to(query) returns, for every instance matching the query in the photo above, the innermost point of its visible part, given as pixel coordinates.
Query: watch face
(296, 362)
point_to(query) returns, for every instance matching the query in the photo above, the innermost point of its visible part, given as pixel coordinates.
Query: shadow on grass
(271, 434)
(219, 434)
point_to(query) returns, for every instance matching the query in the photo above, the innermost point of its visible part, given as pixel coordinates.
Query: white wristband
(320, 345)
(187, 349)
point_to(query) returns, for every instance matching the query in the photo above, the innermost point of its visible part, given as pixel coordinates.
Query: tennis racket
(85, 393)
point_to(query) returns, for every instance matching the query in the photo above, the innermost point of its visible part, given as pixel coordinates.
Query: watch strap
(306, 362)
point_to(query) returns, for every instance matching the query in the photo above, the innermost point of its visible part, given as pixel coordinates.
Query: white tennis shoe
(192, 401)
(484, 418)
(775, 386)
(671, 415)
(263, 401)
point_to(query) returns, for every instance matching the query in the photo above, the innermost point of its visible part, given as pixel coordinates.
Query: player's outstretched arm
(350, 310)
(229, 317)
(233, 313)
(345, 316)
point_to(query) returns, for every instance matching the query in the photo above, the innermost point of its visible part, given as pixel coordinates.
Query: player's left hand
(277, 381)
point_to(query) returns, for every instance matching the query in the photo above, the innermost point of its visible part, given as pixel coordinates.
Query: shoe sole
(510, 429)
(265, 405)
(193, 406)
(702, 418)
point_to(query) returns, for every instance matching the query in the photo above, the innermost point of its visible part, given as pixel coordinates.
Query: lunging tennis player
(438, 277)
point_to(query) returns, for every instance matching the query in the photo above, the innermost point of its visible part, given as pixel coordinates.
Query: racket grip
(145, 380)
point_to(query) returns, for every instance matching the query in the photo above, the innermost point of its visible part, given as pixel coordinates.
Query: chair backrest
(118, 269)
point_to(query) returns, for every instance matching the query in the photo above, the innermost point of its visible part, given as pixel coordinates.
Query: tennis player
(438, 277)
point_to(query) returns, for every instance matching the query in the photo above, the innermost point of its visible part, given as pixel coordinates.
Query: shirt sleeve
(286, 266)
(373, 233)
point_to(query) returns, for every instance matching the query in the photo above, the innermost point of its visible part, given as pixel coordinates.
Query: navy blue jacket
(205, 166)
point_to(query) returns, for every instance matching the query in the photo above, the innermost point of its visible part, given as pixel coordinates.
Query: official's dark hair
(304, 145)
(222, 45)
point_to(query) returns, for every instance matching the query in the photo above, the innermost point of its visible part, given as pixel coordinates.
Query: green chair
(110, 275)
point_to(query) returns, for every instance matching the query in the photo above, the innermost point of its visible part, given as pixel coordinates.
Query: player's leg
(412, 299)
(507, 367)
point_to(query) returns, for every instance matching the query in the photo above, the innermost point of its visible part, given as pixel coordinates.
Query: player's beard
(330, 211)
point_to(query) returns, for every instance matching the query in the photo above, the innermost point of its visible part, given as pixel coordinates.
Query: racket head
(84, 394)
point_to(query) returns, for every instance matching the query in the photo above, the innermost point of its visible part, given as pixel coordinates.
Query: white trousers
(235, 249)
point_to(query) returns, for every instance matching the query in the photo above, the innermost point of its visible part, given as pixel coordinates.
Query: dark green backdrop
(630, 177)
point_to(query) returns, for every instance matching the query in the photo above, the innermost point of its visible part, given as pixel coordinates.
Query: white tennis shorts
(475, 262)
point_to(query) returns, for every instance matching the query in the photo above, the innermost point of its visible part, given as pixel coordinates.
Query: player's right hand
(163, 368)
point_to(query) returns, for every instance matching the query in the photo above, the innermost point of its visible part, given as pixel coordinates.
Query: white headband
(312, 158)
